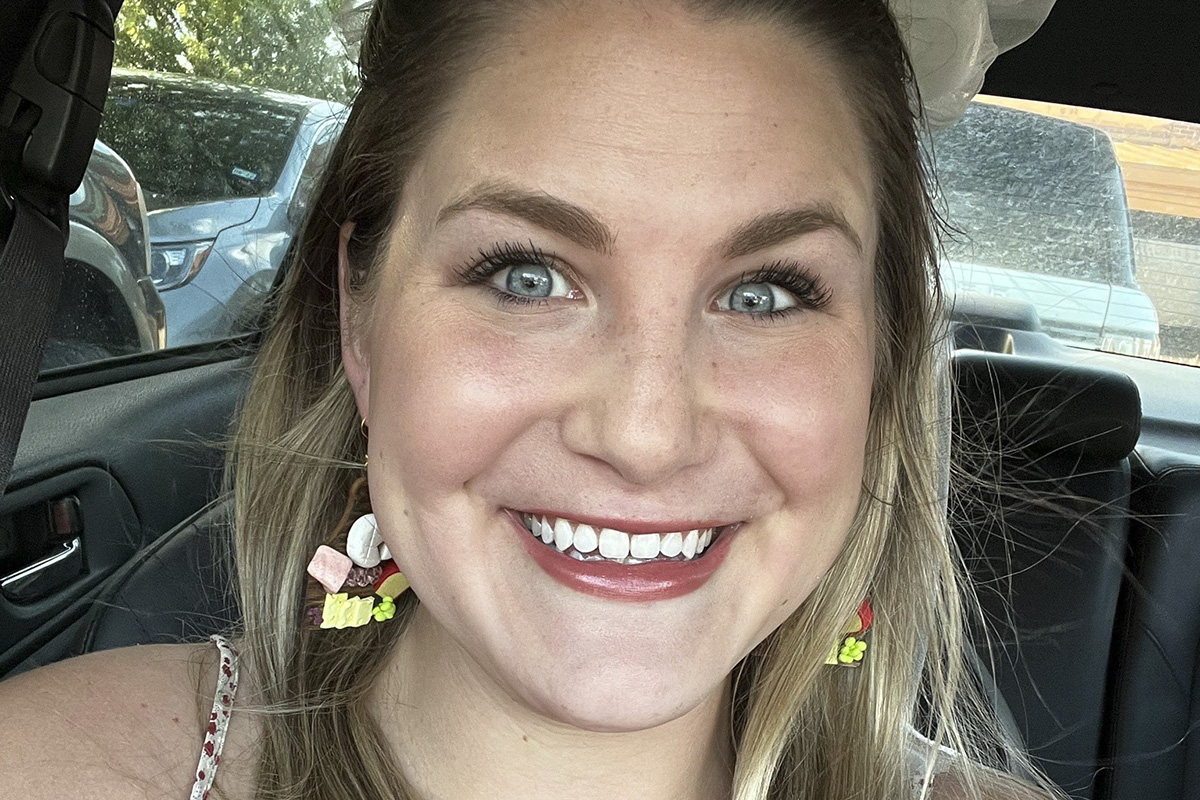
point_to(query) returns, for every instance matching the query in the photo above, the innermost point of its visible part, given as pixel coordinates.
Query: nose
(641, 409)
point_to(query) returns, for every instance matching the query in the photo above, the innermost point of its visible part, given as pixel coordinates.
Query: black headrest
(1047, 407)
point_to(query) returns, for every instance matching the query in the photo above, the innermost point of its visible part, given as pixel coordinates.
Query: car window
(1089, 218)
(318, 155)
(208, 149)
(1034, 194)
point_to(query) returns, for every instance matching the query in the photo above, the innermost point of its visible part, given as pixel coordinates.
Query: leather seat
(179, 588)
(1156, 688)
(1039, 509)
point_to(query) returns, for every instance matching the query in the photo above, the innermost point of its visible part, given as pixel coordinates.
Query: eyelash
(809, 291)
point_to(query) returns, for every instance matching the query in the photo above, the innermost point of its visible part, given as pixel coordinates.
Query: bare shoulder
(122, 723)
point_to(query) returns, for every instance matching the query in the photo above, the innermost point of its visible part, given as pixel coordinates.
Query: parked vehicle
(108, 305)
(1040, 216)
(226, 171)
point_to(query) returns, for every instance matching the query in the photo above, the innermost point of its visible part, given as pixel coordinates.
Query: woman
(629, 306)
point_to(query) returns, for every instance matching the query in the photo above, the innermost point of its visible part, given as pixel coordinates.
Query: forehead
(656, 119)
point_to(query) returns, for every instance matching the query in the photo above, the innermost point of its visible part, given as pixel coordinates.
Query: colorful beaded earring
(352, 577)
(851, 647)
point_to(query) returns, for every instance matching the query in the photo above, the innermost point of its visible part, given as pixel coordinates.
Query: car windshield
(1032, 193)
(189, 144)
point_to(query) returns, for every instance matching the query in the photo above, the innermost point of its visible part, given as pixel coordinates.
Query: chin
(616, 687)
(619, 706)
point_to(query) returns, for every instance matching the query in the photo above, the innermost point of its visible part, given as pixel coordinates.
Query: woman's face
(630, 288)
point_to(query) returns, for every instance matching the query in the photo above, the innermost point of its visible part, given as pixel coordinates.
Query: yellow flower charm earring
(850, 649)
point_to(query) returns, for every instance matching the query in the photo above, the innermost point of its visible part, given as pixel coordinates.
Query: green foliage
(289, 45)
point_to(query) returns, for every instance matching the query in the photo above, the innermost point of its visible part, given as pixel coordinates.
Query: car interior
(1074, 495)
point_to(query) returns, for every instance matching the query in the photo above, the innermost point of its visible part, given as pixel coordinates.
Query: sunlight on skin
(635, 397)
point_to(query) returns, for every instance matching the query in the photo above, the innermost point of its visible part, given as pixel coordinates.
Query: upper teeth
(584, 542)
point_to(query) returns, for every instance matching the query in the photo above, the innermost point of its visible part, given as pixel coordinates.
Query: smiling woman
(668, 372)
(638, 306)
(638, 309)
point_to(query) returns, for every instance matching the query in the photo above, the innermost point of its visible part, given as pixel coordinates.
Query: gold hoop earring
(362, 428)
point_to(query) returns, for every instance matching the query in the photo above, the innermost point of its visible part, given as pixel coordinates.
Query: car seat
(1040, 511)
(1156, 688)
(179, 588)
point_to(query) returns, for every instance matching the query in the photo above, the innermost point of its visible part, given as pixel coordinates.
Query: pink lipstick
(660, 579)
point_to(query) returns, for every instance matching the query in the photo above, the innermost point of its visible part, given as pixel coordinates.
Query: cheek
(804, 412)
(804, 419)
(445, 400)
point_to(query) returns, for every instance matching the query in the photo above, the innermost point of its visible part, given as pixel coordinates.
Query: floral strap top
(218, 720)
(926, 759)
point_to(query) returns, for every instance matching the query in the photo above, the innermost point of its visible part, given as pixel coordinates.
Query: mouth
(638, 567)
(584, 542)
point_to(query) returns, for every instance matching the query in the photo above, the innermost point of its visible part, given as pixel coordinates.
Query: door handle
(43, 577)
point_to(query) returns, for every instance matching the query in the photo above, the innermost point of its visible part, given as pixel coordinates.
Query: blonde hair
(802, 731)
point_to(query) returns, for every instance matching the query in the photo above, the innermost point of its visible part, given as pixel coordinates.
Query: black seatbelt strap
(49, 115)
(31, 267)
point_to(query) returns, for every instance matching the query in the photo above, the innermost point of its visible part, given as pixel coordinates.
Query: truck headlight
(1129, 345)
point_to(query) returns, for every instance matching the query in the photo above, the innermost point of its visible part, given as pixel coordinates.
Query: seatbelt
(49, 116)
(31, 268)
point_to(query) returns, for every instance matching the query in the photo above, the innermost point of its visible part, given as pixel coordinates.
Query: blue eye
(518, 274)
(757, 298)
(529, 281)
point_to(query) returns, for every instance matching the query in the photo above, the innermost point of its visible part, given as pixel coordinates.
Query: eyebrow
(580, 226)
(781, 226)
(546, 211)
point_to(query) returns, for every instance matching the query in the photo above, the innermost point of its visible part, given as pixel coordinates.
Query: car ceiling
(1138, 57)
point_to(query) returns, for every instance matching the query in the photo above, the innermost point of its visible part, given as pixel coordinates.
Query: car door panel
(113, 466)
(58, 572)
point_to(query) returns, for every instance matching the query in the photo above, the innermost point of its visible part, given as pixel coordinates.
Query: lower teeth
(578, 556)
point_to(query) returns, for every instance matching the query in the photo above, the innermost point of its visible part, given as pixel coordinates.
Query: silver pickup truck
(108, 305)
(1039, 217)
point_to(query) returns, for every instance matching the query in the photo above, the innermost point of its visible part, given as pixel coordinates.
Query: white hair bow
(953, 42)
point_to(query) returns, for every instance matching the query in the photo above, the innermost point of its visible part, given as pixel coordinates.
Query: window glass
(1090, 218)
(191, 143)
(1034, 194)
(314, 167)
(218, 122)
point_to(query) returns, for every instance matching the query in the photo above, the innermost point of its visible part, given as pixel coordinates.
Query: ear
(354, 355)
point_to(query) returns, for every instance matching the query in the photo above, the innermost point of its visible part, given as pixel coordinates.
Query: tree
(290, 45)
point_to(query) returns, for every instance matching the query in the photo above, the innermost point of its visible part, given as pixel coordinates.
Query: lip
(663, 580)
